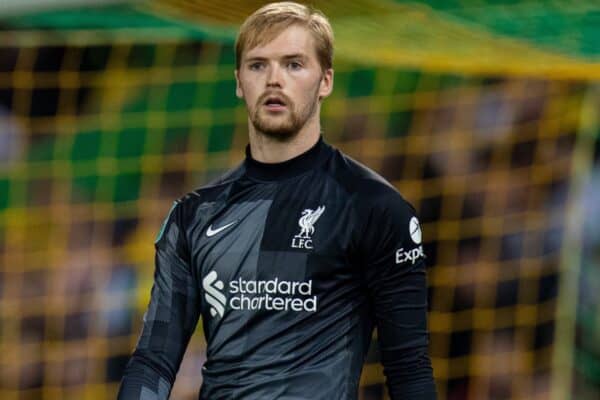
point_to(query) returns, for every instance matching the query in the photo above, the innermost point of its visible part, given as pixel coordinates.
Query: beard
(283, 126)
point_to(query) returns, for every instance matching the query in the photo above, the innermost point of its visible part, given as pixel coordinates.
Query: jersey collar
(310, 159)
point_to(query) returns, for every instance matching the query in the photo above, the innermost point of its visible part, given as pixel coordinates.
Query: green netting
(570, 27)
(562, 37)
(107, 19)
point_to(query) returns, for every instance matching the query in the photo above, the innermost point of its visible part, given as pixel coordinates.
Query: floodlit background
(484, 114)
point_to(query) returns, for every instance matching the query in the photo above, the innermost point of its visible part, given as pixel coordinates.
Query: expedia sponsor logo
(413, 255)
(273, 294)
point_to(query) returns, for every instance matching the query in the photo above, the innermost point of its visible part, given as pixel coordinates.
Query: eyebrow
(295, 55)
(286, 57)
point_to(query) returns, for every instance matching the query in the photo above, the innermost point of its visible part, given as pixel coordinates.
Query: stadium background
(483, 113)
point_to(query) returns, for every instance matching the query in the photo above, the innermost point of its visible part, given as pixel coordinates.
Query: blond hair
(270, 20)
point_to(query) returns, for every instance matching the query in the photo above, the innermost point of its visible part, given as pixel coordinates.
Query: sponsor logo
(415, 230)
(273, 294)
(213, 294)
(212, 232)
(303, 240)
(412, 255)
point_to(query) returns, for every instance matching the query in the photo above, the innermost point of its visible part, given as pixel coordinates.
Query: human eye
(256, 66)
(294, 65)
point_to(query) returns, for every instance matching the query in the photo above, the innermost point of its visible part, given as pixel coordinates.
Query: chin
(278, 133)
(281, 131)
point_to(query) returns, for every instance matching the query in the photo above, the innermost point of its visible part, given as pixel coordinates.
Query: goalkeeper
(293, 257)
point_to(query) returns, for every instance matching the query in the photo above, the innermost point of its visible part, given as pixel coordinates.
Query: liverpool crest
(303, 240)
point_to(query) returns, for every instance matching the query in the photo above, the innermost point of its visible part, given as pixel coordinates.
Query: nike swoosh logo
(212, 232)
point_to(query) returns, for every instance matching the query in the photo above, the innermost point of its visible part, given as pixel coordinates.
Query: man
(294, 256)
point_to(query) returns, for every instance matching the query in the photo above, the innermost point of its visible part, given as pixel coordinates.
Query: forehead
(292, 40)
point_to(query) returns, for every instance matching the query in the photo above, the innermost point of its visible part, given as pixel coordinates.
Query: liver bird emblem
(307, 221)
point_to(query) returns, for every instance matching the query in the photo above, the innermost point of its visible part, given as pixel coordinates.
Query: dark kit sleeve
(169, 321)
(394, 268)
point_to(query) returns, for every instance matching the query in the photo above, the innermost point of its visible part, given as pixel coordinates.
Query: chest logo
(212, 232)
(303, 240)
(213, 293)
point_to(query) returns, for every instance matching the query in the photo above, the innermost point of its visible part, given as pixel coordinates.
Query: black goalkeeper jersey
(291, 266)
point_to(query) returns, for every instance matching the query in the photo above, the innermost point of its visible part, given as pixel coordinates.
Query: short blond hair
(270, 20)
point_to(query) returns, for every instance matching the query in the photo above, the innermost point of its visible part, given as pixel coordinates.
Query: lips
(274, 100)
(275, 103)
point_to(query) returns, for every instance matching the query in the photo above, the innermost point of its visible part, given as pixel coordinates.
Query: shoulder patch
(415, 230)
(164, 224)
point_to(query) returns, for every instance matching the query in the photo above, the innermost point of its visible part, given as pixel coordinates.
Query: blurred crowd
(495, 164)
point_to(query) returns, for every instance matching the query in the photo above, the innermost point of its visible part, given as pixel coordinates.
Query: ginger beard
(283, 125)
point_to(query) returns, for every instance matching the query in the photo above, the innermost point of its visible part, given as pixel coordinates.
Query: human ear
(326, 85)
(238, 87)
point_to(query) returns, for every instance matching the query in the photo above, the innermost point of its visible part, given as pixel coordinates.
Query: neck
(267, 149)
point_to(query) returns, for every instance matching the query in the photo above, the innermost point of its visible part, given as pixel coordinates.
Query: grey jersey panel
(221, 258)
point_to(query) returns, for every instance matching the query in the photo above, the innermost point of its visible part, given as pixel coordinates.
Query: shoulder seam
(382, 181)
(214, 185)
(197, 192)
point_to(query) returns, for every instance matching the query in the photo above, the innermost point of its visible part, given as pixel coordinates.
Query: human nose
(274, 78)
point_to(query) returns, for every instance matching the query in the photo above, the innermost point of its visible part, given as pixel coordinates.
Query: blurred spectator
(11, 139)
